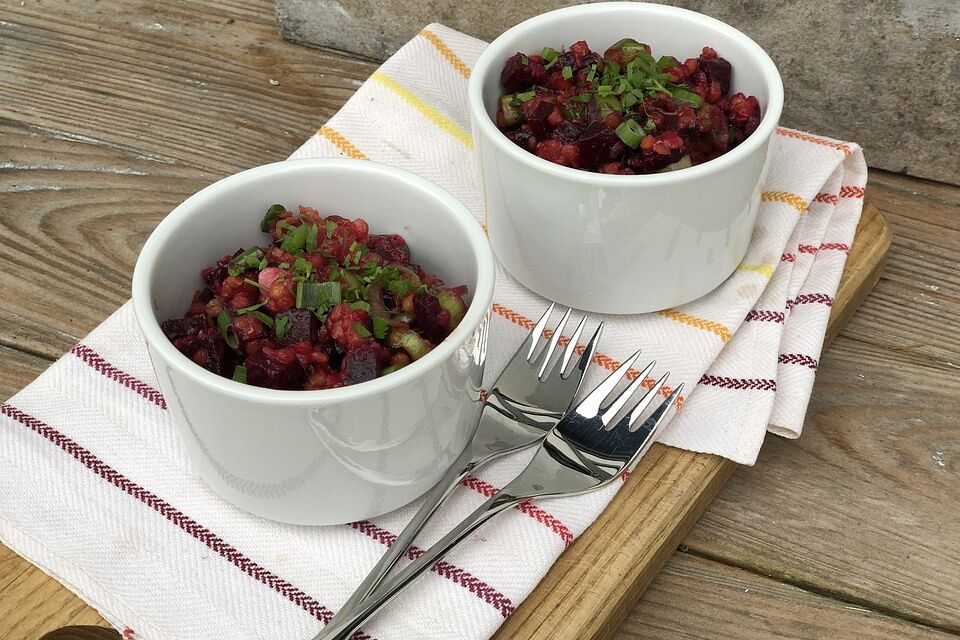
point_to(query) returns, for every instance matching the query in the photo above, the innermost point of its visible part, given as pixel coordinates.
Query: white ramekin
(337, 455)
(611, 243)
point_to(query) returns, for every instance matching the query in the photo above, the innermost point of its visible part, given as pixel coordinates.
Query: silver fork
(579, 454)
(524, 403)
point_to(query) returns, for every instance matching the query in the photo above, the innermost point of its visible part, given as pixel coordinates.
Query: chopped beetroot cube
(392, 248)
(566, 132)
(537, 113)
(598, 145)
(360, 365)
(431, 318)
(181, 327)
(302, 325)
(517, 76)
(717, 70)
(272, 373)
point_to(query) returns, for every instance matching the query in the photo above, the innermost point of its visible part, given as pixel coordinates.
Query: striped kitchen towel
(96, 489)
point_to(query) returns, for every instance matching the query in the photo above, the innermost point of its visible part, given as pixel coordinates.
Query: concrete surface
(884, 73)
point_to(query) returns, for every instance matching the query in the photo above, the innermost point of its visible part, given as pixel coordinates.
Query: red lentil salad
(623, 112)
(325, 304)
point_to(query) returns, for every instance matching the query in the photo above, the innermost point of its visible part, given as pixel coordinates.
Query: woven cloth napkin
(96, 489)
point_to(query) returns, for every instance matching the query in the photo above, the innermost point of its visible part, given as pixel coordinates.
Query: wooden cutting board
(600, 578)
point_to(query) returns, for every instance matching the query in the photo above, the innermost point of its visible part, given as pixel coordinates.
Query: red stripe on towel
(188, 525)
(761, 384)
(535, 512)
(463, 578)
(798, 358)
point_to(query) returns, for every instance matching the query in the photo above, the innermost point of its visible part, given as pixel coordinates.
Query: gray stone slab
(884, 73)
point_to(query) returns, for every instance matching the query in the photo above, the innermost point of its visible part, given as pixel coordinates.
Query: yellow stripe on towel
(763, 269)
(417, 103)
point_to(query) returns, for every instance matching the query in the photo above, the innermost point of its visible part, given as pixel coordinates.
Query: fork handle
(343, 626)
(465, 463)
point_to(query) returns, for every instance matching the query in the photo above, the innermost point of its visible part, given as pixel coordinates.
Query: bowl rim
(144, 270)
(484, 124)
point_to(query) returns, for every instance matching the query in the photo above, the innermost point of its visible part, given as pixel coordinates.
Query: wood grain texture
(697, 598)
(111, 113)
(596, 582)
(863, 506)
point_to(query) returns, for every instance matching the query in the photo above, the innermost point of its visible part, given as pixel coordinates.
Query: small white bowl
(612, 243)
(336, 455)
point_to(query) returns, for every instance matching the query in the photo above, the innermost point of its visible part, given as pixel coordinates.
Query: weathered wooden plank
(695, 597)
(863, 505)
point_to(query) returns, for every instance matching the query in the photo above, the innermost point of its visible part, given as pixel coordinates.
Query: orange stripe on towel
(446, 52)
(604, 361)
(346, 147)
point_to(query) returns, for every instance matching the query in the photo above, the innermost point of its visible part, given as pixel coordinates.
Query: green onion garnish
(262, 317)
(318, 295)
(281, 326)
(240, 373)
(391, 369)
(524, 59)
(526, 96)
(255, 283)
(631, 133)
(294, 241)
(360, 305)
(273, 213)
(251, 308)
(687, 96)
(225, 326)
(312, 232)
(330, 227)
(380, 327)
(361, 330)
(550, 55)
(567, 73)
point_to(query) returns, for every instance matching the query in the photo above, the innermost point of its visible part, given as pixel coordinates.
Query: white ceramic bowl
(336, 455)
(611, 243)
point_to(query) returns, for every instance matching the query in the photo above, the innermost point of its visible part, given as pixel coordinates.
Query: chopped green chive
(302, 268)
(687, 96)
(360, 305)
(293, 241)
(255, 283)
(330, 228)
(273, 213)
(567, 73)
(225, 326)
(281, 326)
(550, 55)
(251, 308)
(631, 133)
(240, 373)
(262, 317)
(526, 96)
(312, 232)
(318, 295)
(361, 330)
(380, 327)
